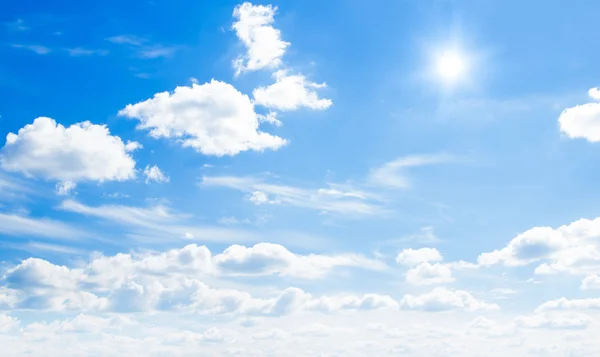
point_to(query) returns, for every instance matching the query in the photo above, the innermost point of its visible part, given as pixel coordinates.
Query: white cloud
(582, 121)
(18, 225)
(150, 217)
(489, 328)
(347, 203)
(393, 174)
(80, 52)
(268, 258)
(259, 198)
(273, 334)
(591, 282)
(153, 173)
(213, 118)
(504, 291)
(270, 117)
(65, 187)
(351, 302)
(160, 223)
(571, 248)
(127, 40)
(83, 151)
(249, 321)
(7, 323)
(321, 330)
(412, 257)
(290, 92)
(40, 50)
(143, 47)
(560, 321)
(171, 281)
(17, 25)
(566, 304)
(263, 42)
(441, 299)
(428, 274)
(594, 93)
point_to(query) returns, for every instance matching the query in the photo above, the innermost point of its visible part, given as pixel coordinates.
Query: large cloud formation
(213, 118)
(82, 151)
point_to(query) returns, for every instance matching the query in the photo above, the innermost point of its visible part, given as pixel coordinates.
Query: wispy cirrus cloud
(325, 199)
(24, 226)
(393, 174)
(83, 52)
(17, 25)
(39, 49)
(143, 47)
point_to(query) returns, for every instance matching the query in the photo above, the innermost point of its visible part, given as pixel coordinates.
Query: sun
(450, 66)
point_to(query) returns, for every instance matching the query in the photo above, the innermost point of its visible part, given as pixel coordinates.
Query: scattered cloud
(485, 327)
(503, 291)
(571, 248)
(554, 321)
(412, 257)
(340, 202)
(157, 51)
(127, 40)
(65, 187)
(23, 226)
(267, 258)
(154, 174)
(213, 118)
(7, 323)
(82, 52)
(17, 25)
(582, 121)
(566, 304)
(442, 299)
(82, 151)
(259, 198)
(429, 274)
(591, 282)
(171, 281)
(290, 92)
(263, 42)
(143, 46)
(39, 49)
(393, 174)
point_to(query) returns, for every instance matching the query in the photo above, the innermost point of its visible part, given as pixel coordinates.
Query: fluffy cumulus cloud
(561, 321)
(82, 151)
(7, 323)
(566, 304)
(422, 271)
(412, 257)
(65, 187)
(174, 280)
(213, 118)
(267, 258)
(290, 92)
(263, 42)
(154, 174)
(427, 274)
(591, 282)
(571, 248)
(441, 299)
(259, 198)
(582, 121)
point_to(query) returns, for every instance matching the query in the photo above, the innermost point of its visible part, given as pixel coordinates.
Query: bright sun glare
(450, 66)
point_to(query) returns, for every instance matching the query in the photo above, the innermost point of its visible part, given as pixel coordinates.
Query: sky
(299, 178)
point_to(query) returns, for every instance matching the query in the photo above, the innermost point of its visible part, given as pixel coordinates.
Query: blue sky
(299, 178)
